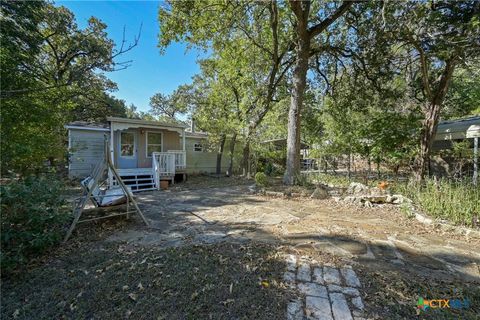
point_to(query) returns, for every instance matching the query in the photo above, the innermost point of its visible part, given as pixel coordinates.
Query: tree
(439, 36)
(253, 30)
(51, 73)
(308, 27)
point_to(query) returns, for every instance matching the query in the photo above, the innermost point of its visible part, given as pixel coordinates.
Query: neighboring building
(449, 132)
(144, 152)
(453, 131)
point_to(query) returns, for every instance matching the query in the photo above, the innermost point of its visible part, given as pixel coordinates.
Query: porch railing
(165, 164)
(180, 158)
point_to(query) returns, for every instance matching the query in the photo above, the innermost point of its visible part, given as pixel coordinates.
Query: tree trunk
(223, 137)
(302, 49)
(431, 116)
(429, 129)
(232, 154)
(246, 158)
(349, 170)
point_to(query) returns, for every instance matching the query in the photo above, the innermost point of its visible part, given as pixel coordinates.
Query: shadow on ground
(208, 251)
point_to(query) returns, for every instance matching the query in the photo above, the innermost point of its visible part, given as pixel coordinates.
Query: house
(144, 152)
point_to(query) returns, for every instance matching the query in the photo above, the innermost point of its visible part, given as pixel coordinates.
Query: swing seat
(105, 198)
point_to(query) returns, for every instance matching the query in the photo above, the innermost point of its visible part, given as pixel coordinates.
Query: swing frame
(97, 174)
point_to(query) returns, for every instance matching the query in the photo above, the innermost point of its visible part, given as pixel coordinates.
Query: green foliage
(33, 217)
(454, 201)
(52, 73)
(261, 179)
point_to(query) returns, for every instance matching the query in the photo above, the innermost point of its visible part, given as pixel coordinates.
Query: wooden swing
(103, 199)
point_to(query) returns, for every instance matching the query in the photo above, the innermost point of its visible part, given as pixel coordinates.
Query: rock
(375, 191)
(313, 289)
(318, 275)
(367, 204)
(334, 288)
(351, 291)
(289, 277)
(303, 273)
(331, 275)
(252, 188)
(274, 193)
(399, 199)
(350, 277)
(294, 310)
(376, 199)
(291, 261)
(318, 308)
(340, 307)
(320, 193)
(358, 303)
(356, 188)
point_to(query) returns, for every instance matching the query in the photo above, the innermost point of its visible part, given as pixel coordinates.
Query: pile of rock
(362, 195)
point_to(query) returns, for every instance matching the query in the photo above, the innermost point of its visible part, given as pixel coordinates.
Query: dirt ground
(397, 258)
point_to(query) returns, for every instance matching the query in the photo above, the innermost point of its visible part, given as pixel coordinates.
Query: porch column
(110, 175)
(183, 139)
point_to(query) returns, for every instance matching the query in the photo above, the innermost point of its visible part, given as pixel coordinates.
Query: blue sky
(150, 72)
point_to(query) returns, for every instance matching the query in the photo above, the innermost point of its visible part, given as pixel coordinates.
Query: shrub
(33, 216)
(261, 179)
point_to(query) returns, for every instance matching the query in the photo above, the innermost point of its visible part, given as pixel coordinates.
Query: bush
(261, 179)
(33, 216)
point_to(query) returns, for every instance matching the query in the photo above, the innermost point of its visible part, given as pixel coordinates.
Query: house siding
(171, 141)
(202, 161)
(86, 149)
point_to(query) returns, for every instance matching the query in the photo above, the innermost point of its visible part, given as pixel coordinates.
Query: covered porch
(146, 152)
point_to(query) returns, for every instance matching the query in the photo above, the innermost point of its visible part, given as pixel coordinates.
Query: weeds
(458, 202)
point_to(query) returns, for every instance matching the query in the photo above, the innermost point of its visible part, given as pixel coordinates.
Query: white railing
(180, 158)
(164, 164)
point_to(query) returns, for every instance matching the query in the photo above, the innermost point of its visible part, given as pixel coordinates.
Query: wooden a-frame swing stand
(97, 177)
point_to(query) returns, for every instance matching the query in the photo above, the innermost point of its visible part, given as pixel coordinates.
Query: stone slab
(340, 308)
(318, 308)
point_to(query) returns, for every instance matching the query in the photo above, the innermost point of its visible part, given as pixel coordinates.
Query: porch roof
(146, 122)
(124, 124)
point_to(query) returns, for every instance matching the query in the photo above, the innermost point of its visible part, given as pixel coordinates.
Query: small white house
(143, 152)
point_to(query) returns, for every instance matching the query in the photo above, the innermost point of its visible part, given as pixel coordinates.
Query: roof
(85, 125)
(456, 129)
(196, 134)
(146, 122)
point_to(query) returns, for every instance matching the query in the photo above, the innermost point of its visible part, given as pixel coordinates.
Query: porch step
(137, 181)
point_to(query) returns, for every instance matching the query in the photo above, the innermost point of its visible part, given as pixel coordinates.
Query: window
(197, 147)
(127, 144)
(154, 142)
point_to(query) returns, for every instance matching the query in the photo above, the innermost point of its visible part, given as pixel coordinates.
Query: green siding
(202, 162)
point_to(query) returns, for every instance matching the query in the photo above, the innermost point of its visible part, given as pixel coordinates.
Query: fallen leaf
(140, 286)
(265, 284)
(133, 296)
(16, 313)
(231, 288)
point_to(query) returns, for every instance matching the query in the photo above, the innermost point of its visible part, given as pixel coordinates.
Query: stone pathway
(326, 292)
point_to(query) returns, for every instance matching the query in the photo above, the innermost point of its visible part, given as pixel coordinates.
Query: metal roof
(456, 129)
(147, 122)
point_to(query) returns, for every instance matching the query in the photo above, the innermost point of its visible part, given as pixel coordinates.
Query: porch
(146, 152)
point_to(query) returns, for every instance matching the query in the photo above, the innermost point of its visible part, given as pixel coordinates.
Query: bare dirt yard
(216, 251)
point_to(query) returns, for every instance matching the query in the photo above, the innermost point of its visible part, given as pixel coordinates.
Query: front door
(127, 146)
